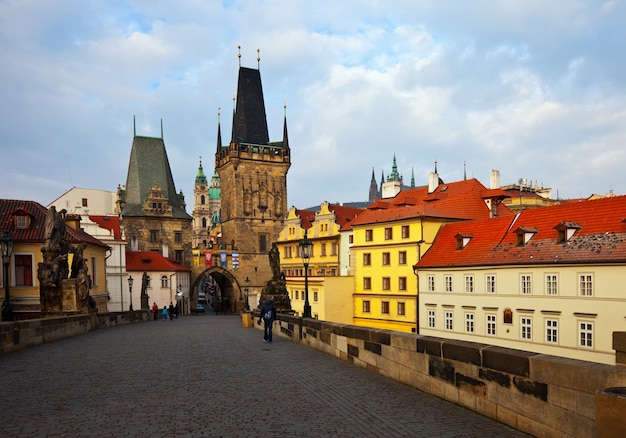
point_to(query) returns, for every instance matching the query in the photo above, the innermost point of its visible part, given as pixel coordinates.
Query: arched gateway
(220, 290)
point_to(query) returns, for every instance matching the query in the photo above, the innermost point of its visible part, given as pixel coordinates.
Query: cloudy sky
(533, 88)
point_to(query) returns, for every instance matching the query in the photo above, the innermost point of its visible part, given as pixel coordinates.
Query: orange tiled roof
(151, 261)
(600, 236)
(462, 200)
(111, 223)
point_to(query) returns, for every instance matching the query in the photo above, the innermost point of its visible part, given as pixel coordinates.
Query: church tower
(202, 211)
(253, 176)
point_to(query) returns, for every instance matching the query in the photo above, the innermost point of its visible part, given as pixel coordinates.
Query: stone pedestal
(610, 411)
(68, 295)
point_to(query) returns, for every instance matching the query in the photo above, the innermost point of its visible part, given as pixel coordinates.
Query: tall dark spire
(285, 136)
(373, 195)
(219, 132)
(250, 120)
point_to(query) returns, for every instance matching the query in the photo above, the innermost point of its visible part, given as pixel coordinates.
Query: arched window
(203, 222)
(164, 281)
(202, 201)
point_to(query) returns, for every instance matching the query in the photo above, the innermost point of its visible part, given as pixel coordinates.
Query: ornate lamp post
(247, 282)
(179, 297)
(6, 247)
(305, 252)
(130, 290)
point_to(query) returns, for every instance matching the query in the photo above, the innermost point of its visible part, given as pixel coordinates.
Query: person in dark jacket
(268, 315)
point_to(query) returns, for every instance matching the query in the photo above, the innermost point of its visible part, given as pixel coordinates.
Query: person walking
(171, 311)
(155, 311)
(164, 313)
(176, 310)
(268, 314)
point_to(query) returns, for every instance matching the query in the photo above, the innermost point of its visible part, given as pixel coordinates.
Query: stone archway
(221, 289)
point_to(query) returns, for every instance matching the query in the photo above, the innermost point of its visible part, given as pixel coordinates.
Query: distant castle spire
(374, 194)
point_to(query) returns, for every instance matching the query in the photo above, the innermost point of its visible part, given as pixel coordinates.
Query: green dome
(201, 177)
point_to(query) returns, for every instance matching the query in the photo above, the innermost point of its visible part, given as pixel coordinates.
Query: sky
(534, 89)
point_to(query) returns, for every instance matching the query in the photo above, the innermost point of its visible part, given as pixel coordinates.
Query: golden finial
(239, 55)
(219, 113)
(285, 107)
(258, 58)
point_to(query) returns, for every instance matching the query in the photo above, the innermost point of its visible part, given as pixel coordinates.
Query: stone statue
(274, 256)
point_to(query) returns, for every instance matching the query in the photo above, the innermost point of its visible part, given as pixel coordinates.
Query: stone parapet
(539, 394)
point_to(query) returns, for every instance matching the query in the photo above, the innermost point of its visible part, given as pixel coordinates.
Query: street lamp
(179, 295)
(6, 246)
(247, 281)
(130, 290)
(305, 252)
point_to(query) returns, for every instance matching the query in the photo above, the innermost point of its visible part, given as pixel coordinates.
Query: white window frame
(431, 318)
(490, 283)
(449, 320)
(431, 283)
(552, 331)
(526, 328)
(447, 279)
(526, 284)
(469, 322)
(490, 327)
(552, 284)
(585, 334)
(469, 284)
(585, 284)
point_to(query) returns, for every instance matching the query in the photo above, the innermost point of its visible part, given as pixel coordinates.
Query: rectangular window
(263, 244)
(526, 284)
(369, 235)
(405, 232)
(315, 296)
(388, 233)
(384, 307)
(469, 323)
(585, 285)
(154, 234)
(334, 249)
(401, 309)
(448, 320)
(402, 257)
(94, 271)
(386, 258)
(552, 331)
(350, 239)
(552, 285)
(402, 283)
(386, 283)
(178, 236)
(490, 284)
(431, 283)
(178, 255)
(526, 328)
(367, 259)
(469, 284)
(491, 324)
(448, 281)
(431, 318)
(366, 306)
(297, 295)
(164, 281)
(21, 222)
(367, 283)
(323, 249)
(585, 334)
(23, 270)
(84, 202)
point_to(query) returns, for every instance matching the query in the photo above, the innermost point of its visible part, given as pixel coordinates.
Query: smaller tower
(201, 211)
(374, 195)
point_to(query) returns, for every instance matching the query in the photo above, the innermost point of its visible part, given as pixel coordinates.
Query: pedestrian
(268, 314)
(176, 310)
(155, 311)
(171, 311)
(164, 312)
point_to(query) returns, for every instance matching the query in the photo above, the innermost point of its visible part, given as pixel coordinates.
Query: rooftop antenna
(239, 55)
(464, 172)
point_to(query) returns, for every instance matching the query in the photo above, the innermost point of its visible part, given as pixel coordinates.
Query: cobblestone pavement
(206, 376)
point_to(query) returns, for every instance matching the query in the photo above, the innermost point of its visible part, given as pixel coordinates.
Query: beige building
(548, 280)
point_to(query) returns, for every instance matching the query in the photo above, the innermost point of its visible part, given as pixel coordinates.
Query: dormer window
(565, 231)
(462, 240)
(22, 222)
(524, 234)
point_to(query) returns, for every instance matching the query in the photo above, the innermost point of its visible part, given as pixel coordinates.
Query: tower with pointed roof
(153, 212)
(206, 196)
(253, 176)
(374, 194)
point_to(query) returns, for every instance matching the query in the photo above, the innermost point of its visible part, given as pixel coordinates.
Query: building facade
(548, 280)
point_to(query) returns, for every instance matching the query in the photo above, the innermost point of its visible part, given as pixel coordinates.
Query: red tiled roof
(151, 261)
(111, 223)
(36, 232)
(601, 238)
(460, 200)
(344, 215)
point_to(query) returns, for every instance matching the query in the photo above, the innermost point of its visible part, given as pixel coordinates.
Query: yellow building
(550, 281)
(392, 234)
(25, 223)
(330, 295)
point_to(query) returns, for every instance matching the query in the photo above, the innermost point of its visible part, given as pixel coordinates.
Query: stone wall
(538, 394)
(18, 335)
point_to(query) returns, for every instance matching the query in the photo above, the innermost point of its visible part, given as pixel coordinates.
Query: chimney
(495, 179)
(433, 181)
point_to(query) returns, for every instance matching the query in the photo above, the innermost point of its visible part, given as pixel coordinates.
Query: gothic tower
(253, 177)
(201, 211)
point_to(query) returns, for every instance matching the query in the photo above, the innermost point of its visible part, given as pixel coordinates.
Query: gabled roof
(111, 223)
(149, 165)
(151, 261)
(600, 236)
(462, 200)
(36, 231)
(344, 215)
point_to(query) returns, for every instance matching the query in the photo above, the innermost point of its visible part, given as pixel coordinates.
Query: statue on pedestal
(276, 289)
